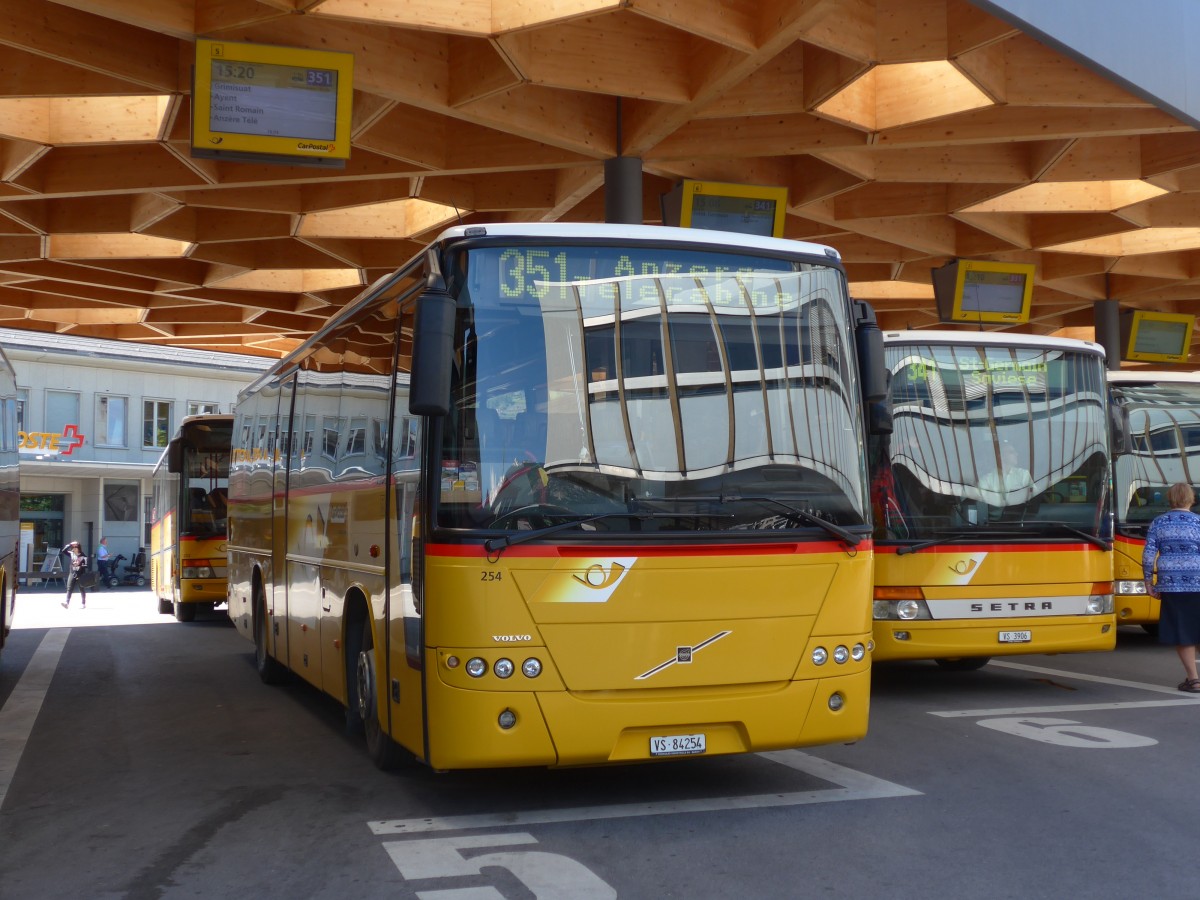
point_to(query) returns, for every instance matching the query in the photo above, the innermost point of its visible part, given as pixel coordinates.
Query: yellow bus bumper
(557, 728)
(925, 639)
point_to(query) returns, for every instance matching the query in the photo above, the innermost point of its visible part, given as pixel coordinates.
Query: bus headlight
(503, 668)
(1131, 587)
(841, 653)
(531, 668)
(820, 656)
(476, 667)
(908, 609)
(857, 652)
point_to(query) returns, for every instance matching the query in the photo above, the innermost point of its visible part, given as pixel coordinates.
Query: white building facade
(94, 418)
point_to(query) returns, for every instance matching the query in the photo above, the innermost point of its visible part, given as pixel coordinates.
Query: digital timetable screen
(282, 104)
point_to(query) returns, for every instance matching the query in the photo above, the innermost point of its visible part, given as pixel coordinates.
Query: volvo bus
(1156, 443)
(994, 514)
(10, 497)
(559, 495)
(189, 517)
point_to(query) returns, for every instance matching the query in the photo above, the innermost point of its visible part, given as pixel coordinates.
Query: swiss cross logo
(74, 439)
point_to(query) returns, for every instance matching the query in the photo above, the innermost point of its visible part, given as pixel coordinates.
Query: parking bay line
(851, 785)
(1078, 707)
(25, 702)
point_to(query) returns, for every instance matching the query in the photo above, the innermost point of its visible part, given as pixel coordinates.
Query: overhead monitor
(1156, 337)
(718, 206)
(264, 103)
(968, 290)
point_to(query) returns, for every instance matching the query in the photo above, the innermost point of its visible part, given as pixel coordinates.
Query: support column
(623, 190)
(1106, 315)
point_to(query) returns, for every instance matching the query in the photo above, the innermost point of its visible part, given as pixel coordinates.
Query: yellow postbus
(560, 494)
(992, 499)
(10, 496)
(1156, 443)
(189, 515)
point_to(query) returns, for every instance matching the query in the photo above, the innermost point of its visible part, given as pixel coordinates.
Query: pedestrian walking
(77, 562)
(1173, 554)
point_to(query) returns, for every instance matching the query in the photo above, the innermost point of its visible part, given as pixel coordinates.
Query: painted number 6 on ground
(1066, 733)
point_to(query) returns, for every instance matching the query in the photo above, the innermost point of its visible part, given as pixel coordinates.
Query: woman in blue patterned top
(1173, 551)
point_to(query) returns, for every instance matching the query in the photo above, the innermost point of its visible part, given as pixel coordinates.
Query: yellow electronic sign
(254, 101)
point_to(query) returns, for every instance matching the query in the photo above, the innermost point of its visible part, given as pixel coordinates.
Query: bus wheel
(380, 747)
(963, 663)
(185, 612)
(269, 670)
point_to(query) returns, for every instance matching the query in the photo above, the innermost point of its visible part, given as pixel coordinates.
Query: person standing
(1173, 553)
(102, 559)
(77, 565)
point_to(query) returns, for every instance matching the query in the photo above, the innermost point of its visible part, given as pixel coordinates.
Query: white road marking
(852, 785)
(1076, 707)
(21, 708)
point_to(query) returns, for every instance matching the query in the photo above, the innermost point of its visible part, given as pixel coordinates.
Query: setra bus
(991, 495)
(10, 497)
(1156, 443)
(189, 514)
(560, 494)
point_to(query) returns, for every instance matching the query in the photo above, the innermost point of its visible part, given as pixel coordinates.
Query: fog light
(476, 667)
(820, 656)
(504, 668)
(901, 635)
(857, 652)
(836, 701)
(907, 609)
(880, 609)
(531, 668)
(840, 654)
(507, 719)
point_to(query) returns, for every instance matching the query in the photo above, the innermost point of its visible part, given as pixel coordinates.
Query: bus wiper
(848, 537)
(497, 545)
(973, 534)
(1100, 542)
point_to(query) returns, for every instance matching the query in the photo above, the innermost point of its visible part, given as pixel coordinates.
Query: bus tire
(963, 663)
(269, 670)
(185, 612)
(384, 752)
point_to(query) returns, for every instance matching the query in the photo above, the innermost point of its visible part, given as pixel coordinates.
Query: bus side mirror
(174, 457)
(868, 340)
(1122, 441)
(433, 351)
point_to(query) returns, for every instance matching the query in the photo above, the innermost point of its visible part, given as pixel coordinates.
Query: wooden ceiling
(908, 132)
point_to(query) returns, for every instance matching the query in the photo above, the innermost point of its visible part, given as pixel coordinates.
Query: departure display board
(290, 105)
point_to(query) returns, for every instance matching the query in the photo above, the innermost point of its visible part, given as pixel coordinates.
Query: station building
(94, 418)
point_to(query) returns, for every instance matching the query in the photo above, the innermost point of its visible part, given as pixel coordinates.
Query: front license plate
(677, 745)
(1016, 637)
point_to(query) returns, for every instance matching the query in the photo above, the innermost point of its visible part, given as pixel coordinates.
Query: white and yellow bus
(569, 494)
(188, 520)
(10, 497)
(1156, 443)
(993, 507)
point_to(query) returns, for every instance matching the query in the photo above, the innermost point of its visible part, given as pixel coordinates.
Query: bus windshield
(651, 389)
(204, 483)
(1162, 427)
(992, 442)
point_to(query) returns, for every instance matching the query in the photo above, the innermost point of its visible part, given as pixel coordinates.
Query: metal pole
(623, 190)
(1106, 314)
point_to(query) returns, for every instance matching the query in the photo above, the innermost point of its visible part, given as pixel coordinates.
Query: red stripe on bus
(644, 550)
(960, 548)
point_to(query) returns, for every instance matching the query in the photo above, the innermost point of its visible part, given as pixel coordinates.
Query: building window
(62, 409)
(110, 421)
(202, 408)
(22, 402)
(156, 423)
(120, 502)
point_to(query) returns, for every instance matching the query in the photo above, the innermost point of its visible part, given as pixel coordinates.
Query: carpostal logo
(310, 147)
(47, 442)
